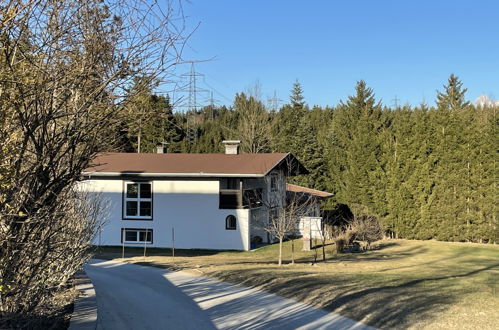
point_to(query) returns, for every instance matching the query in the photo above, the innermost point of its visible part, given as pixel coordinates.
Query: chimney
(162, 148)
(231, 147)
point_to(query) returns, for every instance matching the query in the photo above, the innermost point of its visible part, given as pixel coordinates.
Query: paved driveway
(138, 297)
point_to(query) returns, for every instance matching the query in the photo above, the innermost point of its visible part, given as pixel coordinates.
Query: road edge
(84, 316)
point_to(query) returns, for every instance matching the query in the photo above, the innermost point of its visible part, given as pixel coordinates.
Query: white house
(206, 201)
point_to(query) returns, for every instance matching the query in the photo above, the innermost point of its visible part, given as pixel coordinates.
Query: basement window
(137, 201)
(136, 235)
(230, 222)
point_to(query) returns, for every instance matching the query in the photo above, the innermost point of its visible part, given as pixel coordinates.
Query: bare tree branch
(66, 68)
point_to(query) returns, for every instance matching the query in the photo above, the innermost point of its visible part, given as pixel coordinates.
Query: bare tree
(366, 229)
(65, 68)
(254, 127)
(285, 209)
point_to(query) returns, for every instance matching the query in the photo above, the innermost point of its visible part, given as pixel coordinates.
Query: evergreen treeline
(425, 172)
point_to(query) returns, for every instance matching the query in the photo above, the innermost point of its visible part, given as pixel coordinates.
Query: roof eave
(301, 168)
(172, 175)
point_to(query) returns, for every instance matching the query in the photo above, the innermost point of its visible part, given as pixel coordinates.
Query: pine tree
(297, 99)
(287, 122)
(453, 96)
(310, 154)
(449, 170)
(356, 160)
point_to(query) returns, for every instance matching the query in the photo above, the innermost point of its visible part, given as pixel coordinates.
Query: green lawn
(416, 284)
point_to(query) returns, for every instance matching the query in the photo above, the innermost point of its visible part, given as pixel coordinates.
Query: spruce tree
(297, 99)
(449, 170)
(356, 159)
(287, 122)
(453, 96)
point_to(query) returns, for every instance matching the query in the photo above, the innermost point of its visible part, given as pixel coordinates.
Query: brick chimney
(231, 147)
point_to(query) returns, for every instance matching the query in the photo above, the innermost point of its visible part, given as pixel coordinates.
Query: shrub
(340, 241)
(366, 229)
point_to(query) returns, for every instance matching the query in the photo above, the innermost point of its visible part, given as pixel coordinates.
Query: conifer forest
(425, 172)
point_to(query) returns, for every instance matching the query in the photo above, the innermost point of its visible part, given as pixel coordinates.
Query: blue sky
(403, 49)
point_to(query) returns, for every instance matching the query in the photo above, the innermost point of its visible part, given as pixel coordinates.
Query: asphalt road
(138, 297)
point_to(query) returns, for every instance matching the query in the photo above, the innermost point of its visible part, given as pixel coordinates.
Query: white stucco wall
(188, 206)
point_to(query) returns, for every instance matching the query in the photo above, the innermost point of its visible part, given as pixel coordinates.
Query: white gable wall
(188, 206)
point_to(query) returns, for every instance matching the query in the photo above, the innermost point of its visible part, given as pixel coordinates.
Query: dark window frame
(228, 225)
(150, 232)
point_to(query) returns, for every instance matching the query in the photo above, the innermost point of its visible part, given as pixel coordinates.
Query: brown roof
(299, 189)
(112, 164)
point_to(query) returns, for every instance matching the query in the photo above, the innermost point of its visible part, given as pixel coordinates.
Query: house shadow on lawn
(115, 252)
(363, 256)
(383, 306)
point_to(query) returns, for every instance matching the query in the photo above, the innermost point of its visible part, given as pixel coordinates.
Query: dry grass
(52, 315)
(403, 284)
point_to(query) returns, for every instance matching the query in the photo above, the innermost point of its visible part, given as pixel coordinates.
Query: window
(274, 182)
(230, 222)
(134, 235)
(138, 200)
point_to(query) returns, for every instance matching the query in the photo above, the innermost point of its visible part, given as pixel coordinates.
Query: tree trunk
(324, 249)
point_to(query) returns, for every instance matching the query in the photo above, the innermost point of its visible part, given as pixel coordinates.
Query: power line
(215, 90)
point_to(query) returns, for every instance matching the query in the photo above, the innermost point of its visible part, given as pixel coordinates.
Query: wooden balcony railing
(237, 199)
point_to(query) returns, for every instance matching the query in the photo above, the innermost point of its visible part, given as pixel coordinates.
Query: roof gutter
(170, 175)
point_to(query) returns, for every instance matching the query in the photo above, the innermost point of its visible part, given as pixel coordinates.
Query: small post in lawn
(123, 244)
(173, 244)
(145, 244)
(315, 249)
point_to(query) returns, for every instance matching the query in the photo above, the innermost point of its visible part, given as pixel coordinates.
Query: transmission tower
(396, 102)
(192, 105)
(212, 102)
(274, 102)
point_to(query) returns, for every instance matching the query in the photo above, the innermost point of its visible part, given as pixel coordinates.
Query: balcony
(230, 199)
(237, 199)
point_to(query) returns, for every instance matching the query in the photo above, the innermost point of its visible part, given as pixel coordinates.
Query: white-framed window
(137, 200)
(136, 235)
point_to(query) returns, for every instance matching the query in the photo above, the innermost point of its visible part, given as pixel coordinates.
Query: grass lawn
(415, 284)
